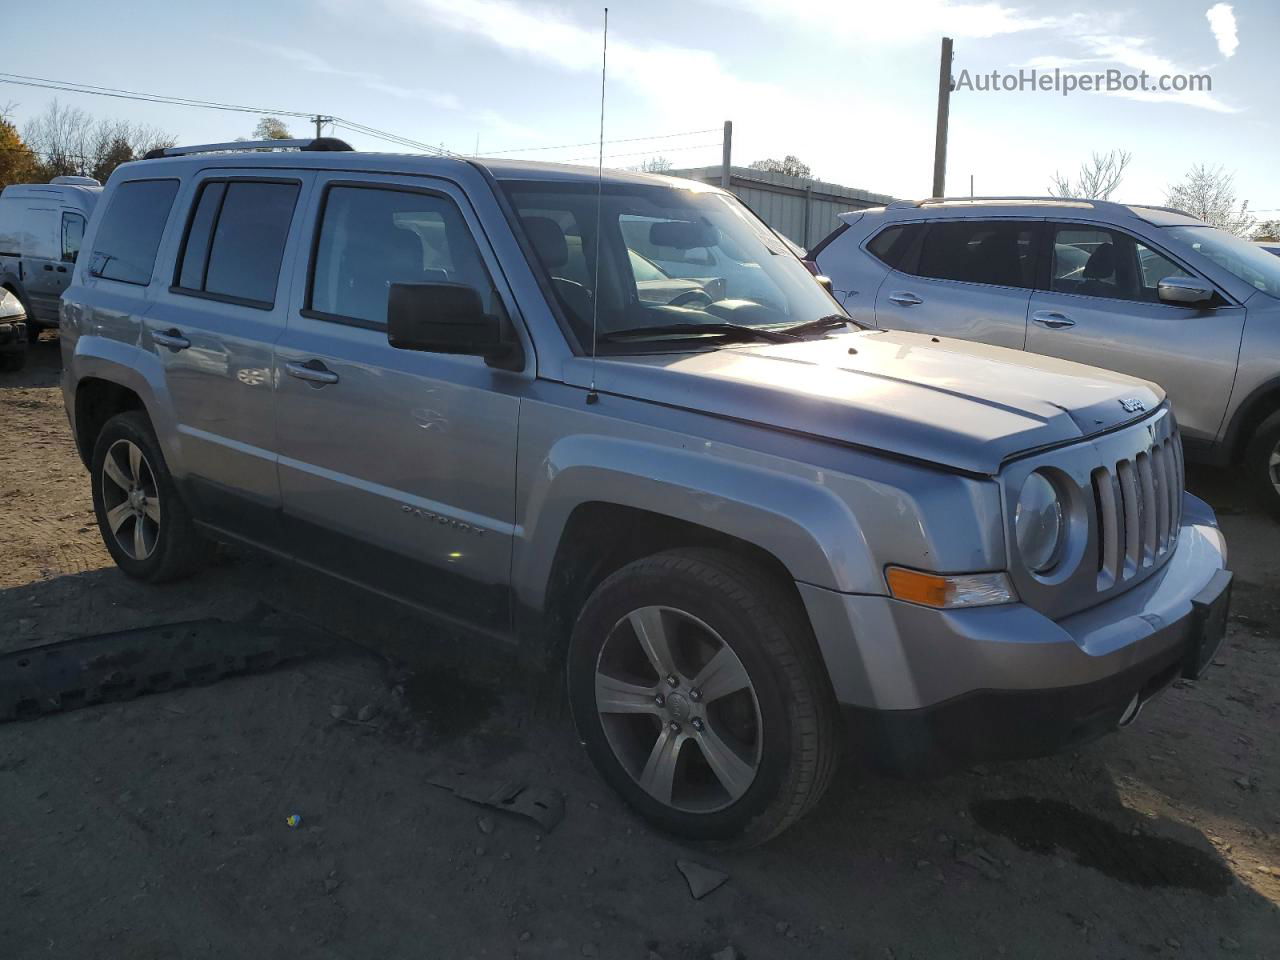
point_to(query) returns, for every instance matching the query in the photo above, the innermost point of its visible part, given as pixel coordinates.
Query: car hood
(958, 404)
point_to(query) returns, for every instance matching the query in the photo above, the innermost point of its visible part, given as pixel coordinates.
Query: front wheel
(1262, 464)
(699, 694)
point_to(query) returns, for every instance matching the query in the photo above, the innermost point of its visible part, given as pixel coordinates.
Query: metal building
(801, 209)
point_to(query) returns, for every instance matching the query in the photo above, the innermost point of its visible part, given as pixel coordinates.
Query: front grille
(1138, 503)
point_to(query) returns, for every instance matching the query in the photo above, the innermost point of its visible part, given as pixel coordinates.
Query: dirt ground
(157, 827)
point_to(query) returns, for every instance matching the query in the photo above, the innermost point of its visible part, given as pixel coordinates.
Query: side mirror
(448, 318)
(826, 284)
(1184, 290)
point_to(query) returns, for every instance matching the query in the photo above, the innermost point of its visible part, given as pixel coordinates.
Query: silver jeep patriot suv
(733, 518)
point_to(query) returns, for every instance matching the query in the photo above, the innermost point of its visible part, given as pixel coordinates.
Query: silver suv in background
(729, 519)
(1147, 291)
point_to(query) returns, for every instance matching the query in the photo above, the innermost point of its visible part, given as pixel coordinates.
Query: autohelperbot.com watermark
(1065, 83)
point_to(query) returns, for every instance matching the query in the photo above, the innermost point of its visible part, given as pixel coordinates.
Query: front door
(397, 467)
(1100, 306)
(221, 306)
(962, 278)
(40, 263)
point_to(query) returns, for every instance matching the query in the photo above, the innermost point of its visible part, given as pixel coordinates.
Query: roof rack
(321, 144)
(1041, 199)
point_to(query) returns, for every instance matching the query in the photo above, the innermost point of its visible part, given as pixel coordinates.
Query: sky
(847, 86)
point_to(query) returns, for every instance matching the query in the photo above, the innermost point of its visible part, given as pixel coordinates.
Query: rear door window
(997, 252)
(236, 240)
(126, 243)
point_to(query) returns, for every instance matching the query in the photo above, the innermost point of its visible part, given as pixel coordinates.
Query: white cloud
(314, 63)
(1222, 21)
(1135, 55)
(899, 21)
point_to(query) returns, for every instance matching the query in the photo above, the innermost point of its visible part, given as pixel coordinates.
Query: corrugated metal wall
(803, 210)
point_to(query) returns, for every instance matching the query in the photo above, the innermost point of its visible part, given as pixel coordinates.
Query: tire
(151, 536)
(1262, 464)
(782, 728)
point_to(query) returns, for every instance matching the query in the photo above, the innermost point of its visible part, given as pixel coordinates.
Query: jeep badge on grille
(1132, 405)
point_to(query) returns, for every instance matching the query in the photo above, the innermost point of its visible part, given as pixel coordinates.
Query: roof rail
(921, 203)
(318, 144)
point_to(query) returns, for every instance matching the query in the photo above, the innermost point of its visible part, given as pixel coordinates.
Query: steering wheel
(697, 297)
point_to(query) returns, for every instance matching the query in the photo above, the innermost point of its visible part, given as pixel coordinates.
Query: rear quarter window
(129, 235)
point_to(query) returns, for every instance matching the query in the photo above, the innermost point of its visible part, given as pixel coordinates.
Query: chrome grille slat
(1138, 510)
(1125, 475)
(1146, 508)
(1109, 527)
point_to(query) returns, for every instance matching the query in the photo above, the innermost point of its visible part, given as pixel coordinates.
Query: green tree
(271, 128)
(18, 163)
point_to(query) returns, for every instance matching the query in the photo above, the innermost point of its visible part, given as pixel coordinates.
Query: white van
(41, 225)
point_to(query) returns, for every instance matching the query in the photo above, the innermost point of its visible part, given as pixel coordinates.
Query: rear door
(1098, 304)
(397, 467)
(213, 327)
(968, 278)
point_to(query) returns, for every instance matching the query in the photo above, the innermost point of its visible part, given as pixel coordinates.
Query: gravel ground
(157, 827)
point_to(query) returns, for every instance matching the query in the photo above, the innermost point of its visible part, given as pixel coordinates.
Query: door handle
(904, 299)
(171, 338)
(1052, 319)
(48, 266)
(61, 269)
(313, 371)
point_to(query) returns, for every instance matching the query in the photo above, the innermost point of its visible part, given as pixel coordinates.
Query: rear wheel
(1262, 464)
(143, 521)
(699, 694)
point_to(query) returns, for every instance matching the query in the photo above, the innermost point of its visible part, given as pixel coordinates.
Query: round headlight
(1038, 523)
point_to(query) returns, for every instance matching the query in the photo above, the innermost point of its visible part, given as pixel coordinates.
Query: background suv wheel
(697, 689)
(143, 521)
(1262, 464)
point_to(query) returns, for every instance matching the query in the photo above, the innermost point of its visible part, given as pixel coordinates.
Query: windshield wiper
(829, 322)
(735, 331)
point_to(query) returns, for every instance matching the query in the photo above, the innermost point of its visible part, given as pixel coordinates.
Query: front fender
(809, 529)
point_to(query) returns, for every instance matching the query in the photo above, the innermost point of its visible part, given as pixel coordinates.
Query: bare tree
(1098, 177)
(271, 128)
(1210, 194)
(69, 141)
(791, 165)
(658, 164)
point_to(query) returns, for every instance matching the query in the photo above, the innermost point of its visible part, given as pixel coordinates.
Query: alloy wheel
(130, 499)
(678, 709)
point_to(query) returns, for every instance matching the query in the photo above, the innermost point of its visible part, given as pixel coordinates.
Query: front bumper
(929, 690)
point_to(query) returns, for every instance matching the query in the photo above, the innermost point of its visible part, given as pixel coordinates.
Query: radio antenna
(592, 396)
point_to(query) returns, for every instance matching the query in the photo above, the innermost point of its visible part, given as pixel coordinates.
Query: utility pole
(726, 157)
(944, 114)
(320, 120)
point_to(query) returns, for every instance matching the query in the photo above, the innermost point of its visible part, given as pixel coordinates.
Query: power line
(641, 153)
(592, 143)
(119, 93)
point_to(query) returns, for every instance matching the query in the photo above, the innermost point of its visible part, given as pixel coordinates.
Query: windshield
(1246, 260)
(717, 262)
